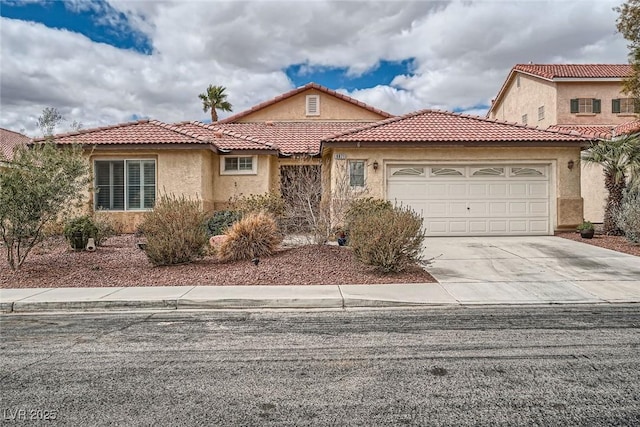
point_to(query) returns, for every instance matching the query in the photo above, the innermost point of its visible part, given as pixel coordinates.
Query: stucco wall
(565, 183)
(605, 91)
(180, 172)
(294, 109)
(526, 99)
(594, 192)
(228, 187)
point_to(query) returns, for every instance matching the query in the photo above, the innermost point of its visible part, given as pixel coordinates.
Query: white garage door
(470, 200)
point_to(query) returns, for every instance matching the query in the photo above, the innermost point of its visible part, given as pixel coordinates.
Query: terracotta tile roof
(293, 137)
(9, 140)
(577, 71)
(433, 126)
(225, 139)
(297, 91)
(139, 132)
(590, 131)
(627, 128)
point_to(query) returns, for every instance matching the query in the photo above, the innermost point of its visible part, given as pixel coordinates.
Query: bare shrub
(175, 231)
(255, 235)
(311, 211)
(268, 202)
(387, 238)
(362, 208)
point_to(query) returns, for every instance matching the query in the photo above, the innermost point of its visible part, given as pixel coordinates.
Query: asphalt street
(546, 365)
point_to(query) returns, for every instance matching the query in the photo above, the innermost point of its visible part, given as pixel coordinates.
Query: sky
(105, 62)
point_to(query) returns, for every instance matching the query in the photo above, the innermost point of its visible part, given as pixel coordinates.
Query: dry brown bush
(256, 235)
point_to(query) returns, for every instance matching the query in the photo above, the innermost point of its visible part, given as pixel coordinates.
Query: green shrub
(255, 235)
(268, 202)
(175, 231)
(627, 216)
(220, 221)
(83, 224)
(388, 238)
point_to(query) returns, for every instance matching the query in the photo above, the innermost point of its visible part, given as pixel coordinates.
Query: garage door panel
(458, 208)
(539, 189)
(518, 190)
(478, 190)
(478, 209)
(479, 227)
(517, 208)
(473, 203)
(498, 208)
(457, 226)
(498, 226)
(497, 190)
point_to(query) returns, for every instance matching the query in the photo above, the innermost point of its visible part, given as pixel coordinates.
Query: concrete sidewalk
(309, 297)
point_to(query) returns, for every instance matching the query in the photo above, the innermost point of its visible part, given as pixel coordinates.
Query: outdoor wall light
(570, 164)
(375, 165)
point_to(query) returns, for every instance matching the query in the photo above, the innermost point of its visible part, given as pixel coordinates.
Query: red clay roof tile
(577, 71)
(9, 140)
(433, 126)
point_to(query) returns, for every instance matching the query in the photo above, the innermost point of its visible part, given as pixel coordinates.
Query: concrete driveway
(531, 269)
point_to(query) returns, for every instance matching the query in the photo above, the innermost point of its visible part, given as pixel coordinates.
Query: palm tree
(620, 160)
(214, 99)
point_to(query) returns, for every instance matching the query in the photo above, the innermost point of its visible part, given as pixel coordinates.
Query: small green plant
(220, 221)
(85, 227)
(586, 225)
(175, 231)
(388, 238)
(255, 235)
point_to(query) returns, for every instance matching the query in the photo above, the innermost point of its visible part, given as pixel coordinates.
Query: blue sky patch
(85, 18)
(337, 77)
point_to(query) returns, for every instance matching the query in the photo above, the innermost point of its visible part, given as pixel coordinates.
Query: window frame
(126, 200)
(541, 113)
(590, 106)
(364, 173)
(238, 171)
(524, 119)
(625, 106)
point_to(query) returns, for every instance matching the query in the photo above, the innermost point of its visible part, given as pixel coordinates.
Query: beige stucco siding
(594, 192)
(565, 192)
(229, 187)
(605, 91)
(526, 99)
(185, 172)
(294, 109)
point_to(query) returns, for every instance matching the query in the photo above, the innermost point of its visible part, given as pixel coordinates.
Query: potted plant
(586, 229)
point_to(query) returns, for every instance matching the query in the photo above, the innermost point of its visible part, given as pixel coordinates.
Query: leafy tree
(49, 120)
(41, 183)
(628, 24)
(620, 159)
(215, 99)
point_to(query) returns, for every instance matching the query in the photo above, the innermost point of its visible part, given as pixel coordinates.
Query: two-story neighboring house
(586, 98)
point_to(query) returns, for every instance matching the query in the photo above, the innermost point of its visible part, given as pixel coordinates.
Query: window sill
(585, 114)
(626, 115)
(227, 173)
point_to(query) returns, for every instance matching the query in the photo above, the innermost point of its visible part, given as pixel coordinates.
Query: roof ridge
(91, 130)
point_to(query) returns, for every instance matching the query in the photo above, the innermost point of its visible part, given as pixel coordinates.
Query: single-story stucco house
(466, 175)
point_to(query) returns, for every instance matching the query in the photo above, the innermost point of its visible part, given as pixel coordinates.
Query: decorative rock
(216, 241)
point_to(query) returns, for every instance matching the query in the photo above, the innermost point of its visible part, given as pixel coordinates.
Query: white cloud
(463, 52)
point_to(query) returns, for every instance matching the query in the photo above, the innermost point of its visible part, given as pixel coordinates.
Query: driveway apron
(531, 269)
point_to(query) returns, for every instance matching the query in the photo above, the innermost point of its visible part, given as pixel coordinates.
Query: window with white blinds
(125, 184)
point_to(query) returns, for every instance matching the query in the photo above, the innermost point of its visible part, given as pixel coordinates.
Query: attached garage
(466, 175)
(475, 199)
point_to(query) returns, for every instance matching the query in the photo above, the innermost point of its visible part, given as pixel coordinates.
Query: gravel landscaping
(120, 263)
(615, 243)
